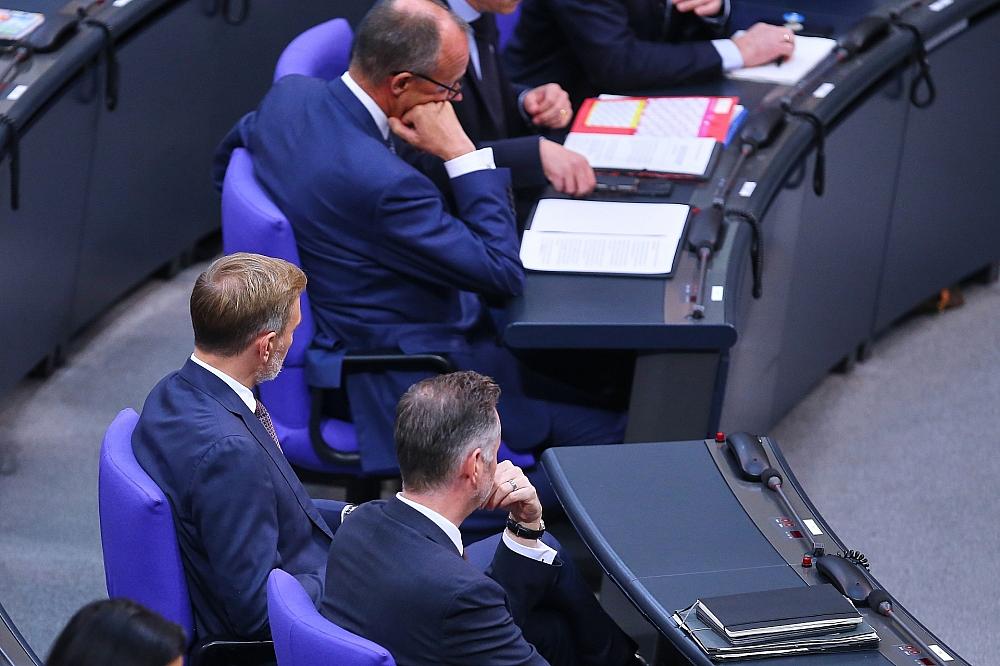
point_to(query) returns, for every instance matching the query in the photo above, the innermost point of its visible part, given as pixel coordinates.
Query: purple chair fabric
(303, 637)
(322, 51)
(142, 560)
(506, 24)
(252, 223)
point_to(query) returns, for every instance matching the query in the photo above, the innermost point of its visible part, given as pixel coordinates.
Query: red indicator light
(795, 534)
(720, 437)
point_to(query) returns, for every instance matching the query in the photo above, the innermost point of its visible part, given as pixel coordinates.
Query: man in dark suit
(390, 265)
(398, 574)
(208, 443)
(508, 117)
(623, 46)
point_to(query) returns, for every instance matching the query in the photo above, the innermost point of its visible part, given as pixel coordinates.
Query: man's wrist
(527, 529)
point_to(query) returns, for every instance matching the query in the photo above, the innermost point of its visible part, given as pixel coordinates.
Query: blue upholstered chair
(142, 560)
(322, 51)
(303, 637)
(252, 223)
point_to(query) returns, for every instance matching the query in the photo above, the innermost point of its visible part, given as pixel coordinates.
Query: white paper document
(807, 54)
(689, 156)
(578, 236)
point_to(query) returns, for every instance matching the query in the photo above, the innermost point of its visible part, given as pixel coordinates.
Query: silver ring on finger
(513, 485)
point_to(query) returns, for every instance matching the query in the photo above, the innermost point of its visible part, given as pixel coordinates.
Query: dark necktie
(265, 419)
(485, 31)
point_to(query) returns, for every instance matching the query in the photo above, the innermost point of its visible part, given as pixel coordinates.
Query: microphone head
(771, 478)
(877, 598)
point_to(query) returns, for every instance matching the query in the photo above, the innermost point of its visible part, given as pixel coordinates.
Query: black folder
(795, 611)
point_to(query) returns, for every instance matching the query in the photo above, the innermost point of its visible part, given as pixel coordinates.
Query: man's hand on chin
(568, 172)
(433, 128)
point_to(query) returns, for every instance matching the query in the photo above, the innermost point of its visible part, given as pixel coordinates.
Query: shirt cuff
(730, 54)
(477, 160)
(541, 553)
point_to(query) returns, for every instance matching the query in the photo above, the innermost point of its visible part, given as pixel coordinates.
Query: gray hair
(439, 421)
(392, 40)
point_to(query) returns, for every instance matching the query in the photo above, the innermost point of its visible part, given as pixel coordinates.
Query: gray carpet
(910, 434)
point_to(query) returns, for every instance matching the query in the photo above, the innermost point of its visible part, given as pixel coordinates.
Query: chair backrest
(251, 222)
(303, 637)
(506, 24)
(323, 51)
(142, 560)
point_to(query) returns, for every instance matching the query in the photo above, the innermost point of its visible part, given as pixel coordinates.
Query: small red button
(807, 561)
(720, 437)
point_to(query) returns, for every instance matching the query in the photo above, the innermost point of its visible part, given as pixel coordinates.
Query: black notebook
(788, 612)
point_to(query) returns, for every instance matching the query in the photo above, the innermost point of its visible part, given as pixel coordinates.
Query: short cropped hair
(119, 632)
(392, 40)
(241, 296)
(438, 421)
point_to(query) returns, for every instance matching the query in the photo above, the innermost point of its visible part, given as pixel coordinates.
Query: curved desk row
(108, 197)
(697, 529)
(908, 209)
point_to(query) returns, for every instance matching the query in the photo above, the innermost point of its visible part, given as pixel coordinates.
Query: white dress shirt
(477, 160)
(541, 553)
(246, 395)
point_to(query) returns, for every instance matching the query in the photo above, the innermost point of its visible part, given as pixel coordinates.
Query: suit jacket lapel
(354, 107)
(226, 396)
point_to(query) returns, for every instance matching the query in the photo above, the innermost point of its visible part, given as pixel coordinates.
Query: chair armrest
(434, 362)
(362, 363)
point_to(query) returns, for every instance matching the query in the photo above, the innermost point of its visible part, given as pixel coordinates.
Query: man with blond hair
(208, 443)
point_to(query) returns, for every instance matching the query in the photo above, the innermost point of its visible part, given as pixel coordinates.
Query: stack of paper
(799, 620)
(668, 135)
(580, 236)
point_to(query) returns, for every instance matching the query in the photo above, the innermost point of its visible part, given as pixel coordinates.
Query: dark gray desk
(908, 210)
(672, 522)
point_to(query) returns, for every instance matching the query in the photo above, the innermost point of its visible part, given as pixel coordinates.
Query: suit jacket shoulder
(238, 507)
(419, 599)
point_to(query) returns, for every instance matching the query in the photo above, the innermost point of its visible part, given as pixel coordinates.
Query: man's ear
(471, 467)
(398, 83)
(263, 345)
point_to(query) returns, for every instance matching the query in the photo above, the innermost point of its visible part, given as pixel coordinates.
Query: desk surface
(667, 528)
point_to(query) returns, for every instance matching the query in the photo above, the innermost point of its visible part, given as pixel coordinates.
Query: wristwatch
(517, 529)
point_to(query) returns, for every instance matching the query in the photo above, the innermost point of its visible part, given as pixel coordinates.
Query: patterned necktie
(265, 419)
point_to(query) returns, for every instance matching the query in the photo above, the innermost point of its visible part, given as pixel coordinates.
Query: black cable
(923, 63)
(756, 248)
(110, 63)
(819, 131)
(12, 147)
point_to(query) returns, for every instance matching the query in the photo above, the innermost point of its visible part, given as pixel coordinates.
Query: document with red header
(661, 135)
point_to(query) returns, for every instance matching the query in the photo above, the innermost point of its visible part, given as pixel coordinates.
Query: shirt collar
(245, 394)
(377, 114)
(464, 10)
(446, 525)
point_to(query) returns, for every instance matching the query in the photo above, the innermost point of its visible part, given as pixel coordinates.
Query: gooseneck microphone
(771, 478)
(848, 577)
(881, 603)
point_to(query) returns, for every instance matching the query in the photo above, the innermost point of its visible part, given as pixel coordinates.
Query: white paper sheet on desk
(807, 54)
(641, 153)
(578, 236)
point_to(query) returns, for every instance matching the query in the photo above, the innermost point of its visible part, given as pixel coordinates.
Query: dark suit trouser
(568, 626)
